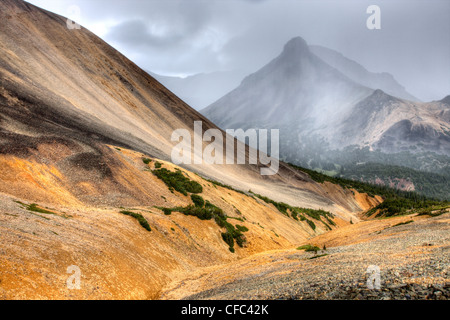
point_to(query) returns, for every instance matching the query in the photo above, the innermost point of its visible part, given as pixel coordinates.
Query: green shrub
(311, 224)
(228, 239)
(198, 200)
(146, 160)
(429, 212)
(396, 202)
(319, 256)
(426, 211)
(167, 211)
(158, 165)
(297, 212)
(205, 213)
(235, 218)
(34, 207)
(403, 223)
(235, 234)
(194, 187)
(309, 248)
(201, 213)
(241, 228)
(178, 181)
(330, 221)
(240, 241)
(282, 207)
(216, 183)
(210, 211)
(139, 218)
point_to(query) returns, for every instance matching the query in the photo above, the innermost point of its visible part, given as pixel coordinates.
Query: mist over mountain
(359, 74)
(202, 89)
(296, 88)
(300, 93)
(322, 111)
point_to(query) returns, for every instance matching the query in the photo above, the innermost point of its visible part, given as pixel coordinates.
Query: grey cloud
(193, 36)
(136, 33)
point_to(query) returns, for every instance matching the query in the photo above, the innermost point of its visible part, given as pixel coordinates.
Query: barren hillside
(81, 130)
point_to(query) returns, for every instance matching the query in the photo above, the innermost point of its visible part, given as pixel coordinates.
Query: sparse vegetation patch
(216, 183)
(403, 223)
(241, 228)
(142, 221)
(298, 213)
(209, 211)
(318, 256)
(198, 200)
(309, 248)
(177, 181)
(35, 208)
(396, 202)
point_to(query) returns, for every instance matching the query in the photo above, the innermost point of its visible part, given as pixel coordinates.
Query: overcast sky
(184, 37)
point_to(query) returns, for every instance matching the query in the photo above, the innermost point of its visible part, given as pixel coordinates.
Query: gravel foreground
(413, 260)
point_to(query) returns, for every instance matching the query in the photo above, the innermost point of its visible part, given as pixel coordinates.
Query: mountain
(446, 100)
(310, 101)
(331, 122)
(295, 88)
(383, 81)
(86, 179)
(391, 124)
(202, 89)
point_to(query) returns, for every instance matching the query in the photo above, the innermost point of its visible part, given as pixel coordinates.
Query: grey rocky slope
(410, 252)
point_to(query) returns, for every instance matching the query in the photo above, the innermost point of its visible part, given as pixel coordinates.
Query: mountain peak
(377, 100)
(296, 45)
(378, 92)
(446, 100)
(381, 95)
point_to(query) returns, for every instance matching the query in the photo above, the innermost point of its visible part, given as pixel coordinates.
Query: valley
(411, 252)
(111, 248)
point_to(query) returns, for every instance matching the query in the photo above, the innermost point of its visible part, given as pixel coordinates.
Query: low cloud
(195, 36)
